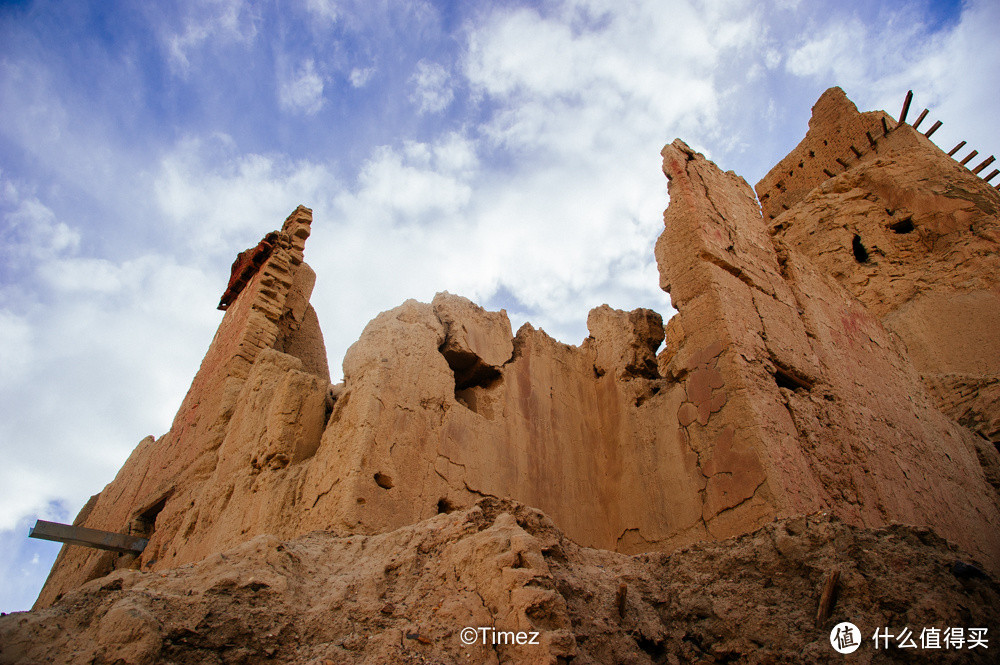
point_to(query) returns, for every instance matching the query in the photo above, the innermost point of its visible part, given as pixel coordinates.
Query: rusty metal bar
(78, 535)
(871, 140)
(969, 158)
(857, 153)
(992, 175)
(986, 162)
(933, 129)
(920, 118)
(906, 108)
(956, 149)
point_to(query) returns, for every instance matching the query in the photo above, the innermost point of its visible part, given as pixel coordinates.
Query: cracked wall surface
(828, 410)
(799, 375)
(931, 235)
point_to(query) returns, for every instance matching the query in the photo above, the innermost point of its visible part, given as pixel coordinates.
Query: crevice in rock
(787, 378)
(859, 249)
(736, 272)
(384, 481)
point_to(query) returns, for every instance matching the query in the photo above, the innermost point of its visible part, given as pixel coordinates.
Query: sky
(504, 150)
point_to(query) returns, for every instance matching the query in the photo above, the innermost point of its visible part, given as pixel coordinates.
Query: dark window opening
(860, 252)
(145, 522)
(904, 225)
(472, 377)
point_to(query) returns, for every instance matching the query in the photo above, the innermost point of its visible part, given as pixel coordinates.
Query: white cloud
(302, 90)
(432, 87)
(359, 77)
(219, 196)
(324, 10)
(834, 51)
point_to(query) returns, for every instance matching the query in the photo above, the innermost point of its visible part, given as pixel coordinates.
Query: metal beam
(78, 535)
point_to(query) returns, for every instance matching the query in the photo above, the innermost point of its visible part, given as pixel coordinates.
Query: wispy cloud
(432, 87)
(302, 90)
(210, 23)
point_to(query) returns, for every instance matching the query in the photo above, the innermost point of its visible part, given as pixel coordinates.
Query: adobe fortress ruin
(835, 349)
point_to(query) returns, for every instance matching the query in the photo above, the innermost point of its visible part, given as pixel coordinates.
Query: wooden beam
(78, 535)
(906, 108)
(958, 147)
(986, 162)
(871, 139)
(933, 129)
(992, 175)
(969, 158)
(920, 118)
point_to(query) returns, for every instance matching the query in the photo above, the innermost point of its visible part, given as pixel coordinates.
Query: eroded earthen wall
(789, 382)
(823, 399)
(157, 485)
(915, 237)
(839, 138)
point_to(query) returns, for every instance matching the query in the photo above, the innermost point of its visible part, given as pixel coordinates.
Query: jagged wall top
(838, 136)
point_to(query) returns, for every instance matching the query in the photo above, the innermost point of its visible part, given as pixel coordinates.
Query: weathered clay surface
(915, 237)
(824, 389)
(405, 596)
(163, 478)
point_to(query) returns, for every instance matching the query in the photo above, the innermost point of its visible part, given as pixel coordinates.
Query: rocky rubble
(405, 596)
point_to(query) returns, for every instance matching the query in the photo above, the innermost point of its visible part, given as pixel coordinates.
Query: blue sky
(506, 151)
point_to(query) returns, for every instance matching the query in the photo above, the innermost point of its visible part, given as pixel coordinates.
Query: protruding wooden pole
(986, 162)
(78, 535)
(933, 129)
(920, 118)
(906, 108)
(871, 139)
(827, 597)
(956, 149)
(969, 158)
(857, 153)
(842, 162)
(885, 127)
(992, 175)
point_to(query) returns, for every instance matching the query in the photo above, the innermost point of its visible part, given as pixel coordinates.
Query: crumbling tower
(155, 489)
